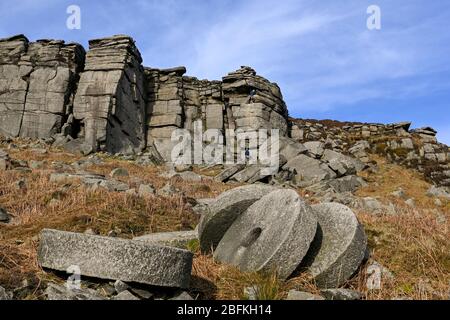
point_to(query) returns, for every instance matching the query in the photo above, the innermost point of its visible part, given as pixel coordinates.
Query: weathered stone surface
(338, 248)
(301, 296)
(59, 292)
(116, 259)
(178, 239)
(146, 190)
(315, 148)
(309, 170)
(125, 296)
(184, 296)
(273, 234)
(229, 172)
(119, 172)
(341, 294)
(224, 210)
(4, 295)
(4, 216)
(36, 85)
(110, 99)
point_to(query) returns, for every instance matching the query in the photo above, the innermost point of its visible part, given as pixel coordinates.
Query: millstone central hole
(251, 237)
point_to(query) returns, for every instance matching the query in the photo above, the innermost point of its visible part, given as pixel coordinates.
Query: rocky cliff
(106, 100)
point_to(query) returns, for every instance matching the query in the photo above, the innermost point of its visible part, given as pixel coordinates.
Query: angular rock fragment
(59, 292)
(224, 210)
(274, 234)
(338, 247)
(115, 259)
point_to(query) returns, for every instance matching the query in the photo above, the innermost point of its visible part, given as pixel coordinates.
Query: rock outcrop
(37, 85)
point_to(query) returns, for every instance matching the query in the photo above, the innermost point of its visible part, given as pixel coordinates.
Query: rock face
(224, 210)
(274, 234)
(109, 105)
(37, 85)
(417, 148)
(338, 248)
(115, 259)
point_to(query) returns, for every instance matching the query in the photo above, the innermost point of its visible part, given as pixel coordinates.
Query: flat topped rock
(224, 210)
(273, 234)
(338, 248)
(115, 259)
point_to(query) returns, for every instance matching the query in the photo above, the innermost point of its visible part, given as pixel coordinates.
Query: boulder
(315, 148)
(309, 170)
(274, 234)
(119, 172)
(4, 295)
(229, 172)
(224, 210)
(341, 294)
(302, 296)
(338, 247)
(4, 216)
(115, 259)
(125, 296)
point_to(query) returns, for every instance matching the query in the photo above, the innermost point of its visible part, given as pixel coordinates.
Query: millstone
(224, 210)
(274, 234)
(115, 259)
(338, 248)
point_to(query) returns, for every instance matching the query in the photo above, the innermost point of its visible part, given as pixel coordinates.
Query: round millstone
(274, 234)
(338, 248)
(224, 210)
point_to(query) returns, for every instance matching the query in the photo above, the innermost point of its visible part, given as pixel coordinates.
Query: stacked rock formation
(110, 99)
(106, 100)
(37, 84)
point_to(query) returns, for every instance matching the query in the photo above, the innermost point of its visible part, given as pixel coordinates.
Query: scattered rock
(338, 247)
(120, 286)
(341, 294)
(224, 210)
(229, 172)
(438, 192)
(113, 258)
(273, 234)
(4, 295)
(35, 165)
(184, 296)
(119, 172)
(4, 216)
(410, 203)
(20, 184)
(146, 190)
(301, 296)
(143, 294)
(188, 176)
(167, 191)
(59, 292)
(315, 148)
(400, 193)
(126, 296)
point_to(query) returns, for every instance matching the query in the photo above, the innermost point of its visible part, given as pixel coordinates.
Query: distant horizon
(328, 64)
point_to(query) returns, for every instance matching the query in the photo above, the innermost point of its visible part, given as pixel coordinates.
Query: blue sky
(326, 61)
